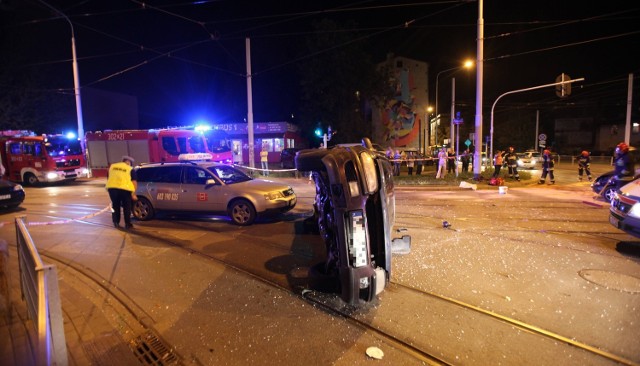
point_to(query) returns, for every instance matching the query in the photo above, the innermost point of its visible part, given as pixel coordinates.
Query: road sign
(467, 142)
(542, 143)
(542, 137)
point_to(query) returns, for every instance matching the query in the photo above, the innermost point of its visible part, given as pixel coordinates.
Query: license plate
(5, 197)
(613, 221)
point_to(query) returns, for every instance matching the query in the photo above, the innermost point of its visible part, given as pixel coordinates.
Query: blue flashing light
(202, 127)
(71, 135)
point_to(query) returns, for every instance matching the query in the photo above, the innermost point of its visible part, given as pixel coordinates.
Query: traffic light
(318, 132)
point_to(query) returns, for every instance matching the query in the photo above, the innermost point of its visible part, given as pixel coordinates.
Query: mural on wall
(398, 118)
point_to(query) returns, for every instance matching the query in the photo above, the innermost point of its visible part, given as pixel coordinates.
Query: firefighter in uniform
(121, 185)
(512, 163)
(623, 167)
(547, 168)
(584, 164)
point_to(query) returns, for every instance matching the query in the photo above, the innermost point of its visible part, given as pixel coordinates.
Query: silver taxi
(209, 188)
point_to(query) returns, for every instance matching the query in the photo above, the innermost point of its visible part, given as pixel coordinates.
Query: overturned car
(354, 211)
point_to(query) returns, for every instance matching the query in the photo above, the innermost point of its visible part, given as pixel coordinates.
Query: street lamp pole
(467, 64)
(76, 77)
(519, 91)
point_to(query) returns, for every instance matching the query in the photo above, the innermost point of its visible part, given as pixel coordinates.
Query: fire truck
(145, 146)
(31, 159)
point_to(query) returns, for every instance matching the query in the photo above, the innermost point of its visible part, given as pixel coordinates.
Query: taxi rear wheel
(143, 210)
(242, 212)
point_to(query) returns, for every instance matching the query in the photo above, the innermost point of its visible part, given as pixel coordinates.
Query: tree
(337, 83)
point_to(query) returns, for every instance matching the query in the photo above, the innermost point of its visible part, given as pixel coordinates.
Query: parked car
(354, 211)
(287, 158)
(624, 212)
(11, 194)
(529, 160)
(209, 188)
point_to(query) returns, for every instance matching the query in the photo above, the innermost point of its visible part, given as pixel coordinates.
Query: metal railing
(39, 286)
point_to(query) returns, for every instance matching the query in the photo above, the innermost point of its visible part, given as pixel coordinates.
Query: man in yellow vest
(121, 185)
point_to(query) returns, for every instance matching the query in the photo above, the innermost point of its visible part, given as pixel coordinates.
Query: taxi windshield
(228, 174)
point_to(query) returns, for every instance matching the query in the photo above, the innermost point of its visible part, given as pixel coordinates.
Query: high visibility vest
(120, 177)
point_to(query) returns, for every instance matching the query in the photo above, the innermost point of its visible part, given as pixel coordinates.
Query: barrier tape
(58, 222)
(260, 169)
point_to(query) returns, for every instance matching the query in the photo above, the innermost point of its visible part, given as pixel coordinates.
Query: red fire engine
(145, 146)
(32, 159)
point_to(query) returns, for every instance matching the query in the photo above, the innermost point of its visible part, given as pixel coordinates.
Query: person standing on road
(121, 185)
(547, 168)
(264, 161)
(512, 163)
(419, 162)
(497, 163)
(451, 161)
(584, 164)
(465, 161)
(442, 164)
(623, 166)
(397, 160)
(410, 162)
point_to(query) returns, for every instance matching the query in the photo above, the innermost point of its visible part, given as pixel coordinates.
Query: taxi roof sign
(195, 157)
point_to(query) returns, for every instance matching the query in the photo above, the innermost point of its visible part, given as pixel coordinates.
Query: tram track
(334, 306)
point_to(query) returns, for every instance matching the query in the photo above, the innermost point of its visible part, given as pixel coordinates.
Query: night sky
(185, 60)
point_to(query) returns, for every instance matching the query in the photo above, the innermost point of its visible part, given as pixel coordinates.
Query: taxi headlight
(635, 210)
(370, 172)
(18, 188)
(520, 162)
(273, 195)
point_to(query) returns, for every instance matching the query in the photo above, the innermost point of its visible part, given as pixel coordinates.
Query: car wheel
(311, 161)
(242, 212)
(30, 179)
(608, 193)
(143, 209)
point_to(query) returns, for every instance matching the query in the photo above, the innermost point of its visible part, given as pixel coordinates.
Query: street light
(467, 65)
(76, 77)
(426, 138)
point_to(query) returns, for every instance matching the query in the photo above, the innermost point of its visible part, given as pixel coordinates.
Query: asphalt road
(534, 276)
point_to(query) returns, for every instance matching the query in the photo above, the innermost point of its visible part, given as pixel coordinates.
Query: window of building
(268, 143)
(278, 145)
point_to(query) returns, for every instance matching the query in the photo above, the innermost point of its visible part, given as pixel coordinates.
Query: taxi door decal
(202, 196)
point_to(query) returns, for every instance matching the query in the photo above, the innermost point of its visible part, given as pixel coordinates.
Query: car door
(162, 186)
(196, 194)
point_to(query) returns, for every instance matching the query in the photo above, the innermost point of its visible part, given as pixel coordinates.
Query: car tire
(143, 209)
(242, 212)
(30, 179)
(311, 161)
(608, 193)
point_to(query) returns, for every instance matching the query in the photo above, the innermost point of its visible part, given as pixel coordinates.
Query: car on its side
(354, 213)
(208, 188)
(624, 212)
(11, 194)
(529, 160)
(287, 158)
